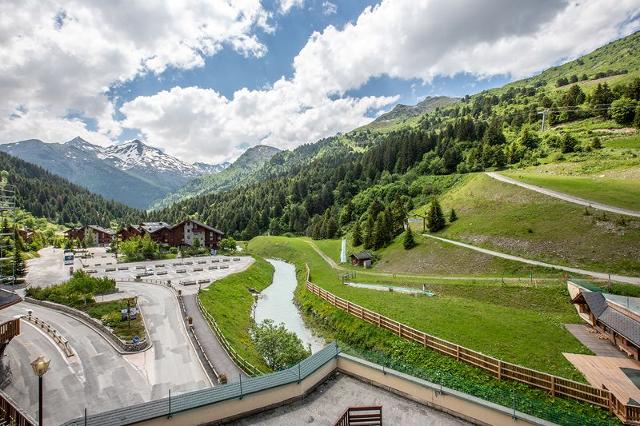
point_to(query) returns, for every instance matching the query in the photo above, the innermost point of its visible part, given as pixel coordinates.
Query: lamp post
(40, 367)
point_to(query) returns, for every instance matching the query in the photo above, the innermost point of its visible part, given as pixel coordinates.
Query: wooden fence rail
(556, 386)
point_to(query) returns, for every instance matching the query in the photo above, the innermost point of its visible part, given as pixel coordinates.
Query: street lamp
(40, 367)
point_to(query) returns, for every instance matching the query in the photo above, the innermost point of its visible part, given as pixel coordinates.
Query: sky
(206, 79)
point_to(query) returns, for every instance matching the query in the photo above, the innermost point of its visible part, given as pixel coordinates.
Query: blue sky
(203, 79)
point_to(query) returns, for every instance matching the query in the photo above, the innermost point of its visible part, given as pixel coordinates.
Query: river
(276, 303)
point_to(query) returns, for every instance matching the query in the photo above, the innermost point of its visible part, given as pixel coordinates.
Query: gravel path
(600, 275)
(563, 196)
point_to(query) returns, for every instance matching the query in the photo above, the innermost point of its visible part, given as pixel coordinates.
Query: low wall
(93, 323)
(229, 402)
(464, 406)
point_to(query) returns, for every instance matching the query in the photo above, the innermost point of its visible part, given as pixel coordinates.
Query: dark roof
(617, 321)
(363, 255)
(7, 299)
(100, 229)
(596, 302)
(152, 227)
(210, 228)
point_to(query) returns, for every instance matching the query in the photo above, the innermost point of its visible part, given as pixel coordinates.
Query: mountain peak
(80, 143)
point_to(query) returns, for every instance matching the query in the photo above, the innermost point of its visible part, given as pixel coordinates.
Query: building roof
(98, 228)
(210, 228)
(617, 321)
(152, 227)
(363, 255)
(7, 299)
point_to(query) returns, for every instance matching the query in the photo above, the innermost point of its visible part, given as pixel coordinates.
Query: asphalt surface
(565, 197)
(599, 275)
(98, 378)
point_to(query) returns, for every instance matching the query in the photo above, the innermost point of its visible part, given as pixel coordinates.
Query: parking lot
(187, 274)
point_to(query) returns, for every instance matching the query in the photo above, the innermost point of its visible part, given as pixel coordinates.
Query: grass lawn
(229, 301)
(516, 323)
(432, 257)
(122, 329)
(616, 192)
(518, 221)
(383, 347)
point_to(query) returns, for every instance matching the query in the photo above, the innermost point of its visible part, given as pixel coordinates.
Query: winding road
(563, 196)
(600, 275)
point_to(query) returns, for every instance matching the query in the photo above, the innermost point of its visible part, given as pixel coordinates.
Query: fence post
(499, 370)
(169, 415)
(241, 386)
(299, 375)
(458, 352)
(553, 385)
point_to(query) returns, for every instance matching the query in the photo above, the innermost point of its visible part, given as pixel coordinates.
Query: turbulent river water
(276, 303)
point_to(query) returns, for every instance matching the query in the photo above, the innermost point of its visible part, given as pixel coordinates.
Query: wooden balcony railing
(361, 416)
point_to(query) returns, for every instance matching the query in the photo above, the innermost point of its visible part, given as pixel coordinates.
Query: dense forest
(56, 199)
(337, 184)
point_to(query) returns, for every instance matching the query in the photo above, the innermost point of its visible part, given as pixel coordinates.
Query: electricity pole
(544, 113)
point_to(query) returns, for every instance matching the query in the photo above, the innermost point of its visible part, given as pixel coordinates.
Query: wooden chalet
(184, 233)
(102, 236)
(362, 258)
(619, 324)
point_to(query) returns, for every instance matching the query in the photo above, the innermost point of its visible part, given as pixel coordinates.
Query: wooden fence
(11, 415)
(556, 386)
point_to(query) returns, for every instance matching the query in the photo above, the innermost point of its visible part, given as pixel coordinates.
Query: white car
(150, 270)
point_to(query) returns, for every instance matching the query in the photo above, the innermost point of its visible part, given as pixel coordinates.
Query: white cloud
(195, 124)
(60, 57)
(425, 38)
(284, 6)
(329, 8)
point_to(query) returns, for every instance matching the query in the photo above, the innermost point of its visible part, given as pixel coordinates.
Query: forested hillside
(56, 199)
(373, 178)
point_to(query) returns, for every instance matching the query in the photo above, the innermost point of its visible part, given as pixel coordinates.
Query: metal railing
(242, 363)
(11, 415)
(361, 416)
(555, 385)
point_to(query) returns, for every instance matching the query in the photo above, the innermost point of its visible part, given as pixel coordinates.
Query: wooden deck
(605, 372)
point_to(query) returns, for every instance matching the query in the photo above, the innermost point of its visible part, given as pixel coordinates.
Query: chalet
(189, 231)
(184, 233)
(102, 236)
(26, 234)
(363, 258)
(617, 321)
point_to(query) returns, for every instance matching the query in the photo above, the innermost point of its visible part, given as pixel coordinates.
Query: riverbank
(230, 303)
(385, 348)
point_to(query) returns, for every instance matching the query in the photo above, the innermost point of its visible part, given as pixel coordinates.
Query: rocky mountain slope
(132, 173)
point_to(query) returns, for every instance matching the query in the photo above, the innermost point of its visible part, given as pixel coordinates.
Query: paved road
(97, 377)
(172, 362)
(600, 275)
(565, 197)
(212, 347)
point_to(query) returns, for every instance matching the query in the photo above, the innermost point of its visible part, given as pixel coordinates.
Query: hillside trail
(600, 275)
(565, 197)
(340, 268)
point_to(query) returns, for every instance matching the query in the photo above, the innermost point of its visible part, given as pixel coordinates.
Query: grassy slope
(122, 329)
(522, 222)
(431, 257)
(230, 303)
(528, 331)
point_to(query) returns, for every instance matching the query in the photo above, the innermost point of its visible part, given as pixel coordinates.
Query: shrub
(279, 347)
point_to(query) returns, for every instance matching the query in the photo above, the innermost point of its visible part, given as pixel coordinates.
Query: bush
(279, 347)
(228, 245)
(623, 110)
(79, 290)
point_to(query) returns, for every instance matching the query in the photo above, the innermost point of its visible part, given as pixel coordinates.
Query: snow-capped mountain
(132, 172)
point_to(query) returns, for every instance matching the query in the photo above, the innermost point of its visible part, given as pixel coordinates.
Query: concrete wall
(234, 408)
(467, 407)
(461, 405)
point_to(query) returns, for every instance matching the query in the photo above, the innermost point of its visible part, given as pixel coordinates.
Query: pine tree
(19, 265)
(453, 216)
(409, 242)
(435, 217)
(356, 234)
(368, 233)
(636, 120)
(380, 231)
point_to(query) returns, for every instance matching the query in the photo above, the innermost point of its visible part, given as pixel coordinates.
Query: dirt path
(600, 275)
(563, 196)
